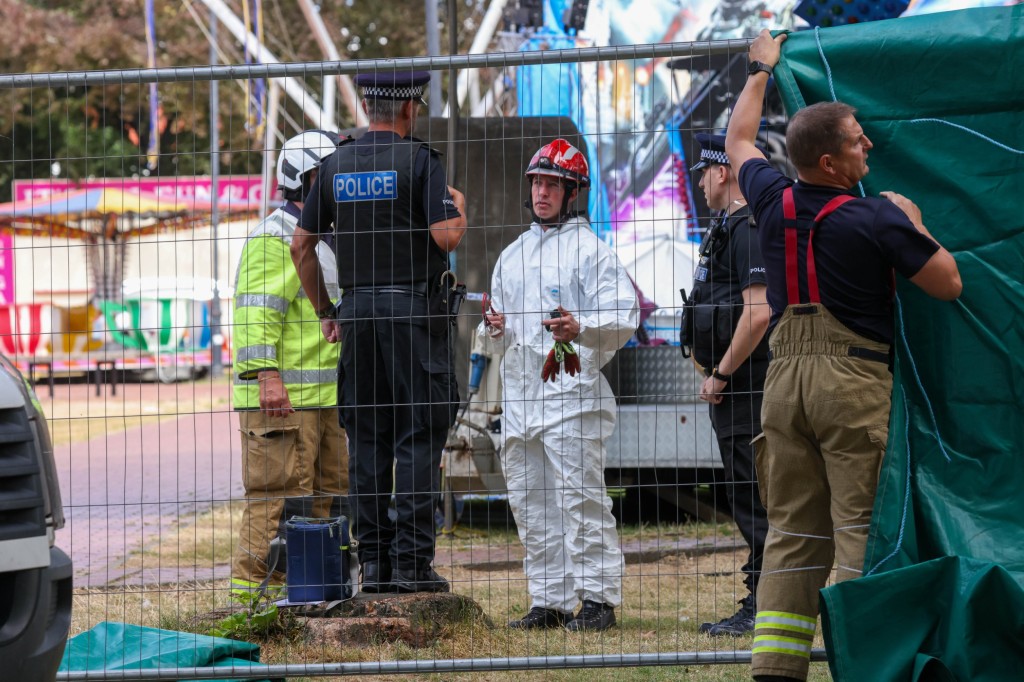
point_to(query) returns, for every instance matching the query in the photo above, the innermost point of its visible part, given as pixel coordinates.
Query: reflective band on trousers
(262, 301)
(262, 352)
(300, 376)
(780, 620)
(774, 644)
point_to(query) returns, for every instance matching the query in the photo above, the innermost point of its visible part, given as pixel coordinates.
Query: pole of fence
(434, 50)
(485, 60)
(453, 93)
(463, 665)
(453, 103)
(216, 338)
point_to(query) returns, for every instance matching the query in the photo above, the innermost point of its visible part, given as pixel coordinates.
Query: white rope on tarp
(902, 333)
(906, 496)
(967, 130)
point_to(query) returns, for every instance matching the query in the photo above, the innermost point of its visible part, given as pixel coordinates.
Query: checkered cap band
(714, 156)
(411, 92)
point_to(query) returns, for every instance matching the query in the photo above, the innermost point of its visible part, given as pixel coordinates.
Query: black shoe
(539, 617)
(375, 576)
(592, 616)
(423, 579)
(736, 625)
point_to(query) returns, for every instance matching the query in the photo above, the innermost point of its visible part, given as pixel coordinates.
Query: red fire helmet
(561, 159)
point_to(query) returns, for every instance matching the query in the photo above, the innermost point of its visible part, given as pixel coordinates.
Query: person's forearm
(307, 265)
(746, 115)
(750, 330)
(609, 330)
(449, 233)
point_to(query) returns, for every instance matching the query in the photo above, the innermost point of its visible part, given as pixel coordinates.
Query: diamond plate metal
(657, 375)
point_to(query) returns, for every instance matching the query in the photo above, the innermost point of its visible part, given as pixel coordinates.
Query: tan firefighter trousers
(825, 422)
(302, 455)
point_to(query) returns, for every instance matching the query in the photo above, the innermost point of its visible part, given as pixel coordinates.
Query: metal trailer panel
(661, 422)
(653, 437)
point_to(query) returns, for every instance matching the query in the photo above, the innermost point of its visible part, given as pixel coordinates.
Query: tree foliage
(104, 131)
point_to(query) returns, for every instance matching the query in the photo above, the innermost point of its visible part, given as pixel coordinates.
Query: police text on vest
(369, 186)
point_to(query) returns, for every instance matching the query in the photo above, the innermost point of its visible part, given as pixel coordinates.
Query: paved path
(127, 490)
(122, 491)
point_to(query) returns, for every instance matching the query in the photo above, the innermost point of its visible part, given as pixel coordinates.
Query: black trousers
(736, 422)
(398, 397)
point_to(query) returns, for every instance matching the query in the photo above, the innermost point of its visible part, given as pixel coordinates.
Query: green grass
(664, 602)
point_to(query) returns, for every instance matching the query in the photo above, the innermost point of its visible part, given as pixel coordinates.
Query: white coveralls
(554, 432)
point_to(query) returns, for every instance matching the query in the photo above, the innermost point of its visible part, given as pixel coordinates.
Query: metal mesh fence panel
(124, 305)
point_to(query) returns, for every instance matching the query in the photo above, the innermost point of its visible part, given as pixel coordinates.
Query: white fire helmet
(298, 156)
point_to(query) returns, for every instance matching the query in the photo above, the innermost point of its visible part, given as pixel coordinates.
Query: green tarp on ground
(119, 646)
(942, 98)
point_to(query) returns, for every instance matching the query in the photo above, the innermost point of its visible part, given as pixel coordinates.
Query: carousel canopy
(105, 211)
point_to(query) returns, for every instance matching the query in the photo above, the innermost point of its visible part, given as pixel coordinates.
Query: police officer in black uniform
(729, 316)
(395, 219)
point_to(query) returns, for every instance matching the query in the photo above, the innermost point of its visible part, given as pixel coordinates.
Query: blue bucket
(314, 558)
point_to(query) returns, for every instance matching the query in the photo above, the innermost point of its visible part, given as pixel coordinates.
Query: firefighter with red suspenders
(830, 259)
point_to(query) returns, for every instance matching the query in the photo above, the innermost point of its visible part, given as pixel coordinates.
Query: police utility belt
(444, 292)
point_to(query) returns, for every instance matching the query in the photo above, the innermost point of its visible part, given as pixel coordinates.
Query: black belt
(868, 354)
(410, 289)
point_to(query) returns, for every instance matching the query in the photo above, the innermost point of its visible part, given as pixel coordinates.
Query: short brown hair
(816, 130)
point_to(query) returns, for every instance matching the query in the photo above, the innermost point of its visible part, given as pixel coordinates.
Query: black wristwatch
(326, 313)
(754, 67)
(721, 377)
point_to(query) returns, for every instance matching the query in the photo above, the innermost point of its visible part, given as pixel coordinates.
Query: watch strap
(756, 66)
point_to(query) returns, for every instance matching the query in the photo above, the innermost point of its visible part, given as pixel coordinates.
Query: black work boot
(539, 617)
(736, 625)
(421, 579)
(375, 576)
(593, 616)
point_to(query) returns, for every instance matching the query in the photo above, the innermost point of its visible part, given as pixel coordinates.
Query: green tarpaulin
(118, 646)
(942, 98)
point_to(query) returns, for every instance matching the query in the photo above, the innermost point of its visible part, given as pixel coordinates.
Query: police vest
(716, 301)
(274, 324)
(382, 233)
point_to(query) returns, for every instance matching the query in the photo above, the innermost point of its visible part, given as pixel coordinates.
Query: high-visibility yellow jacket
(275, 324)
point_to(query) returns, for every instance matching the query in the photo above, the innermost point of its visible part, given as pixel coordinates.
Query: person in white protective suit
(559, 294)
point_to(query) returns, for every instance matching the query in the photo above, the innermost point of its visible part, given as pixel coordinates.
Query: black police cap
(393, 84)
(712, 150)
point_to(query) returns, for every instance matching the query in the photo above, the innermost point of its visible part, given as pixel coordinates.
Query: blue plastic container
(314, 558)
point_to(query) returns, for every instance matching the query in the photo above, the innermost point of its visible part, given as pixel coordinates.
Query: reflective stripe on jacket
(275, 324)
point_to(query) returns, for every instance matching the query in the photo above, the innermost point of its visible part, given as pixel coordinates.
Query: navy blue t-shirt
(855, 249)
